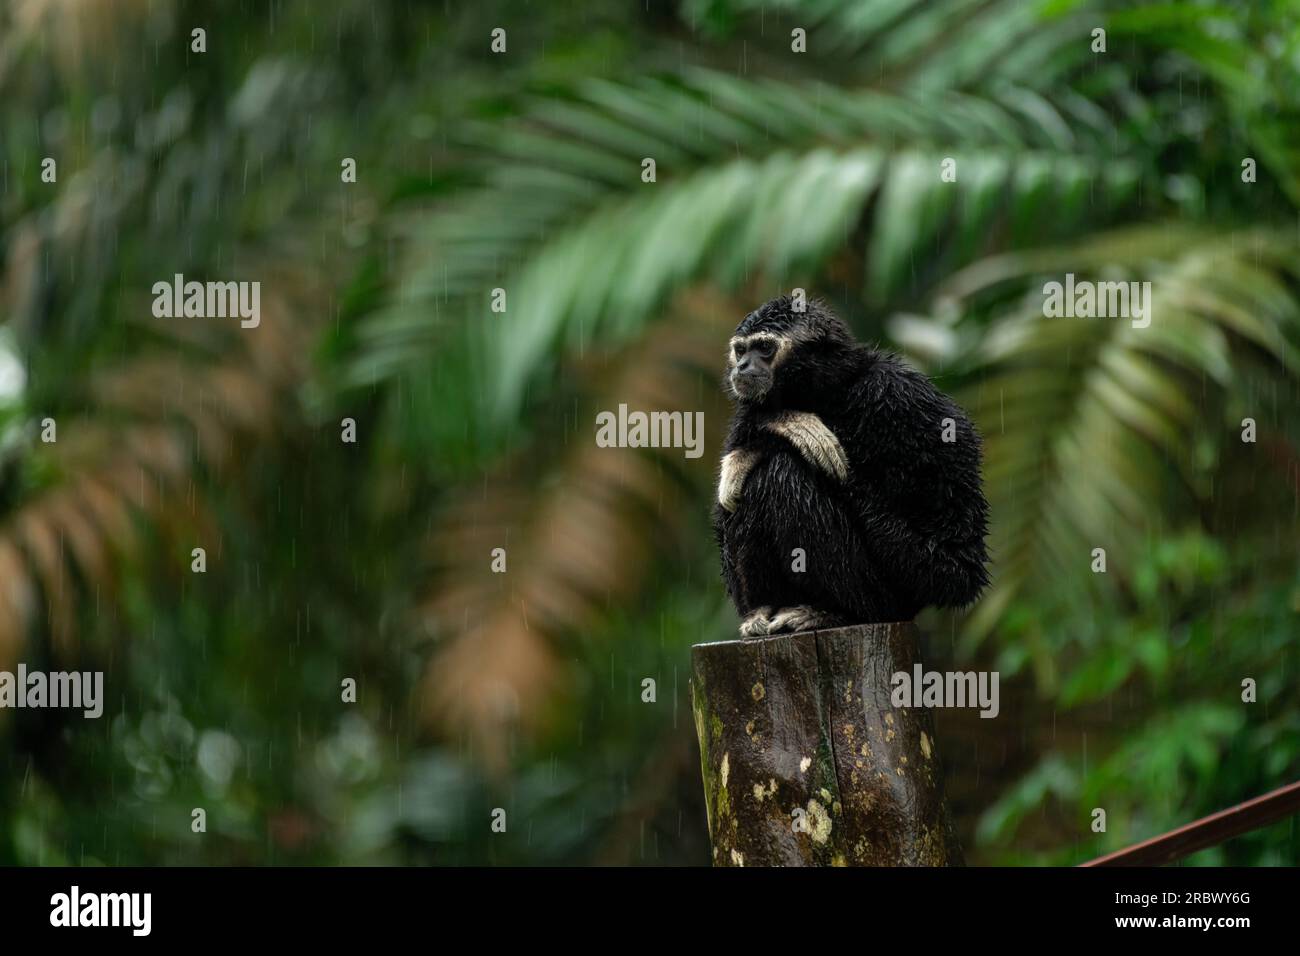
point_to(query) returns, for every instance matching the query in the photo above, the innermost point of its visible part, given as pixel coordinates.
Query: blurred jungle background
(1171, 157)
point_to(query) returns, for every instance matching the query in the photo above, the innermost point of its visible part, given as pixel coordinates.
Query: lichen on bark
(820, 768)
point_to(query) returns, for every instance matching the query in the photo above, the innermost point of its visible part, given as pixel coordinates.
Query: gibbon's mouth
(750, 385)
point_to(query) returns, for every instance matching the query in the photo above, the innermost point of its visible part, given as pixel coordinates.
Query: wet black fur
(905, 532)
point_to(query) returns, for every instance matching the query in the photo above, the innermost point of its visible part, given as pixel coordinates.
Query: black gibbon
(850, 488)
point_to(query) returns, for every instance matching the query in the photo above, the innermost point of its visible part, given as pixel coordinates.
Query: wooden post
(806, 761)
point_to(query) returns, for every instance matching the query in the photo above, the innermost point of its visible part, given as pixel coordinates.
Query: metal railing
(1207, 831)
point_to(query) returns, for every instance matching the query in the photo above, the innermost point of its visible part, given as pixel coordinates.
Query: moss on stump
(805, 760)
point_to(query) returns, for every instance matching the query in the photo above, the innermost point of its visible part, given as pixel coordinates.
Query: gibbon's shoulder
(895, 411)
(884, 379)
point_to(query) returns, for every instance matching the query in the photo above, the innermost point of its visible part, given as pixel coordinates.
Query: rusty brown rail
(1207, 831)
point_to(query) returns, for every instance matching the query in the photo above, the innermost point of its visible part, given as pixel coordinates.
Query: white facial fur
(783, 346)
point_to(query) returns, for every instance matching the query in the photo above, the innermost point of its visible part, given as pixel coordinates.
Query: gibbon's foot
(800, 618)
(756, 624)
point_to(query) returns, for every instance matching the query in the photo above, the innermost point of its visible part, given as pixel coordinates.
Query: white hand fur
(735, 468)
(817, 443)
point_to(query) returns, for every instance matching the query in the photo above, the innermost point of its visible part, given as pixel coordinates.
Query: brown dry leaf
(39, 537)
(17, 600)
(74, 32)
(582, 543)
(180, 411)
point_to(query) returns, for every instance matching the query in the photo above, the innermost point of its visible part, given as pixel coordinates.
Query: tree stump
(807, 762)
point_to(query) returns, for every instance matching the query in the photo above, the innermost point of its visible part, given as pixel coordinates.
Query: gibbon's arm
(919, 496)
(804, 430)
(788, 503)
(736, 466)
(744, 450)
(817, 443)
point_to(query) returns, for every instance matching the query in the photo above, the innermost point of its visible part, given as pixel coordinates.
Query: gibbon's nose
(744, 364)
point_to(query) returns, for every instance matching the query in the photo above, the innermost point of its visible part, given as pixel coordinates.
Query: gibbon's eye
(738, 349)
(767, 348)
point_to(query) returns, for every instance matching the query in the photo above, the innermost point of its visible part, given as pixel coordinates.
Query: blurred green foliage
(522, 171)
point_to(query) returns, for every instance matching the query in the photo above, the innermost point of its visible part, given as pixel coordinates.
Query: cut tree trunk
(807, 762)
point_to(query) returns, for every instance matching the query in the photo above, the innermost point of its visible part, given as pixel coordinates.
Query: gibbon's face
(778, 341)
(752, 363)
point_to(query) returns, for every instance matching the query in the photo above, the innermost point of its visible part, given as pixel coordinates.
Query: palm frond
(1090, 425)
(934, 44)
(755, 177)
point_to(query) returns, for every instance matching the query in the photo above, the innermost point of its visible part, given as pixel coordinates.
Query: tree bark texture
(805, 759)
